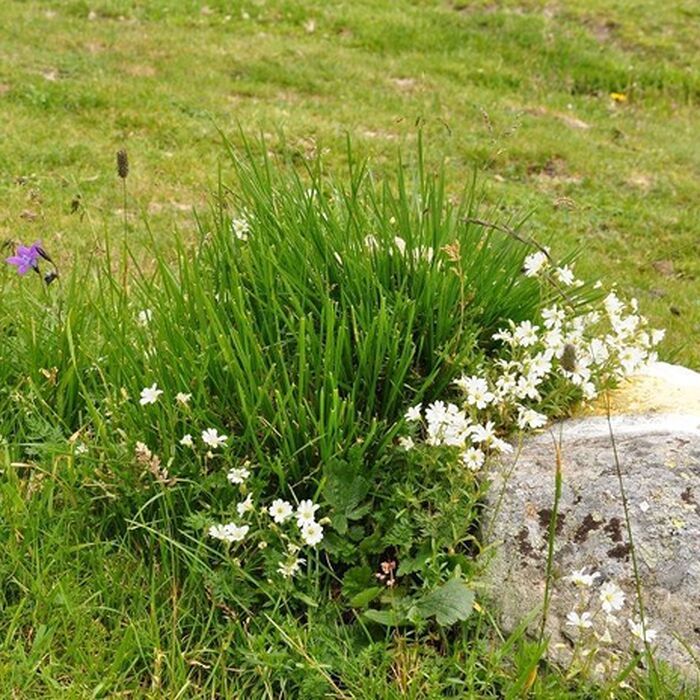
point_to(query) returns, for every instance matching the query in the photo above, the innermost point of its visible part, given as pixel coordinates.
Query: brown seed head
(122, 164)
(568, 357)
(453, 252)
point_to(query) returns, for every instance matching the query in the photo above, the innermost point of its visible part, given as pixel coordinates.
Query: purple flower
(27, 258)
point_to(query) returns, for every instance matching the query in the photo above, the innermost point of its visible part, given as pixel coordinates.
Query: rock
(659, 456)
(659, 388)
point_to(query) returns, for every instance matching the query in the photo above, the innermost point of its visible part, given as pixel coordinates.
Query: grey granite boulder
(659, 456)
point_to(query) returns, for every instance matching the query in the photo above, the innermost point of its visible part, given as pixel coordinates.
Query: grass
(519, 90)
(106, 585)
(305, 345)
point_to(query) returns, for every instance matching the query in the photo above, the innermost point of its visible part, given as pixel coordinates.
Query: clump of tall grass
(305, 318)
(311, 312)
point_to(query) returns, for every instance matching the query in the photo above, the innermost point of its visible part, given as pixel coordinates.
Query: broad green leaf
(409, 565)
(356, 580)
(449, 603)
(388, 618)
(364, 598)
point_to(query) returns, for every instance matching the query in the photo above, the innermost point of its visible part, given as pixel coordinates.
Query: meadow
(257, 320)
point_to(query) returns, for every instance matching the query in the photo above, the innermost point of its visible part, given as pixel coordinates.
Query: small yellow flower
(618, 97)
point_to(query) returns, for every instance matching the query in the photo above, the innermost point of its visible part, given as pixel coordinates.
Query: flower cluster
(452, 426)
(294, 527)
(594, 620)
(583, 351)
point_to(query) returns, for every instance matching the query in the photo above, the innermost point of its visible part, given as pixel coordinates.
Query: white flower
(473, 458)
(237, 533)
(598, 351)
(580, 372)
(423, 254)
(280, 510)
(483, 433)
(240, 229)
(220, 532)
(525, 334)
(237, 475)
(505, 386)
(502, 446)
(400, 244)
(657, 335)
(529, 418)
(641, 631)
(245, 506)
(312, 533)
(436, 412)
(211, 437)
(613, 305)
(553, 316)
(406, 443)
(229, 532)
(625, 327)
(504, 335)
(477, 390)
(447, 424)
(534, 264)
(565, 275)
(150, 395)
(554, 340)
(527, 387)
(183, 399)
(631, 358)
(144, 317)
(306, 512)
(589, 391)
(187, 441)
(540, 365)
(579, 578)
(582, 621)
(413, 413)
(291, 567)
(371, 242)
(611, 597)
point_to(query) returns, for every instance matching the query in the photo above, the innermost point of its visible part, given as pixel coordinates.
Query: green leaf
(449, 603)
(339, 522)
(308, 600)
(340, 546)
(364, 598)
(344, 490)
(356, 580)
(410, 565)
(388, 618)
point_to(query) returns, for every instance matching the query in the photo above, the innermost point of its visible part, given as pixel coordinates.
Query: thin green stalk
(628, 527)
(551, 536)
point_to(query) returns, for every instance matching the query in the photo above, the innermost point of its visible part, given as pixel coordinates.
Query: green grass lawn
(579, 119)
(521, 91)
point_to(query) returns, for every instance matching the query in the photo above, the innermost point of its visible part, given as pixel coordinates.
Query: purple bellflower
(27, 258)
